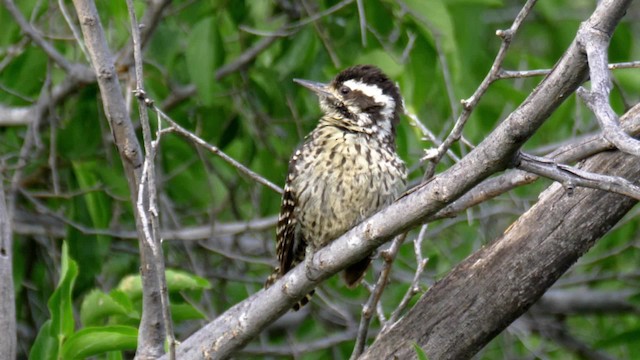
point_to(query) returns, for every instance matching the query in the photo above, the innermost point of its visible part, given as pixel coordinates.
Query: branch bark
(497, 284)
(152, 327)
(233, 329)
(8, 333)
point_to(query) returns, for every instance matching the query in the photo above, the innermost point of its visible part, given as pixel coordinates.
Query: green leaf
(202, 44)
(45, 347)
(97, 202)
(94, 207)
(114, 355)
(186, 311)
(382, 59)
(420, 352)
(634, 299)
(60, 303)
(98, 306)
(300, 52)
(177, 280)
(131, 286)
(625, 338)
(97, 340)
(435, 22)
(471, 2)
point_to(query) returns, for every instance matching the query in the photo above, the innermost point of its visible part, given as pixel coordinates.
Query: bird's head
(360, 98)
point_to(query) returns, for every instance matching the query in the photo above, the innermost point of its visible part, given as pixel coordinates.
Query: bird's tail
(354, 273)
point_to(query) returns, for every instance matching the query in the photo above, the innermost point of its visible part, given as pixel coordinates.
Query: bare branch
(151, 337)
(147, 203)
(72, 26)
(8, 338)
(469, 104)
(363, 23)
(24, 115)
(511, 74)
(389, 256)
(246, 57)
(37, 38)
(175, 127)
(586, 301)
(414, 286)
(570, 176)
(498, 283)
(500, 184)
(596, 44)
(149, 23)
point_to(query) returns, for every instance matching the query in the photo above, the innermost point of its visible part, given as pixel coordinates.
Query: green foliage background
(73, 186)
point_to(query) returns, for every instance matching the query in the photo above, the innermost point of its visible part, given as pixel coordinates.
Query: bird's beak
(317, 87)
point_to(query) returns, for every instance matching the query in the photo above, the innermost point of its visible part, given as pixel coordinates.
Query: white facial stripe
(371, 90)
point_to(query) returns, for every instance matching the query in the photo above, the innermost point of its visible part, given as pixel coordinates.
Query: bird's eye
(344, 90)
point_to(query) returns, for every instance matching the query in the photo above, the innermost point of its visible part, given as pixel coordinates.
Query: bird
(346, 169)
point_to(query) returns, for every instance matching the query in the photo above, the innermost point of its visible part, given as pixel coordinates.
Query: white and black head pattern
(364, 97)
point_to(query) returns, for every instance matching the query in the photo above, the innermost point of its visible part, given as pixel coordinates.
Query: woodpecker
(346, 169)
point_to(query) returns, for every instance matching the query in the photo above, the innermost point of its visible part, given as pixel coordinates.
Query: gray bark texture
(494, 286)
(8, 337)
(151, 334)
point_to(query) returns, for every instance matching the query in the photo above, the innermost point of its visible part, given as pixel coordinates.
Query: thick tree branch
(498, 283)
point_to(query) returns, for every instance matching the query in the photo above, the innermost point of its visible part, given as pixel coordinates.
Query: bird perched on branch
(346, 169)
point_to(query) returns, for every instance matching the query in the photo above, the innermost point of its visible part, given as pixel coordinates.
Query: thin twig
(428, 134)
(322, 34)
(245, 58)
(13, 52)
(510, 74)
(319, 15)
(175, 127)
(363, 22)
(74, 29)
(36, 37)
(369, 307)
(294, 349)
(446, 74)
(414, 288)
(570, 176)
(469, 104)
